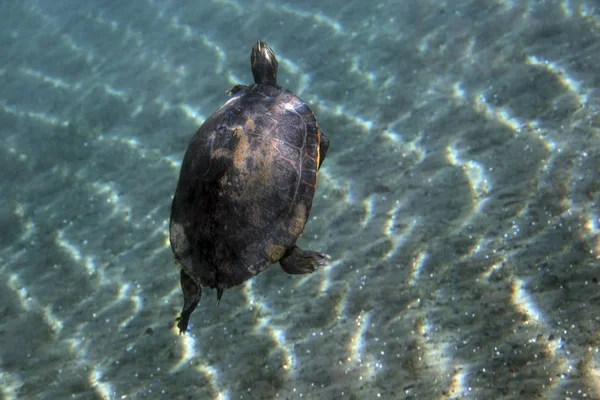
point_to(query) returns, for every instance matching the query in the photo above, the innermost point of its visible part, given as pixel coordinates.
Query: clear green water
(458, 201)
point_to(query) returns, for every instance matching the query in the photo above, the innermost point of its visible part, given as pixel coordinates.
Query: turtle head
(264, 64)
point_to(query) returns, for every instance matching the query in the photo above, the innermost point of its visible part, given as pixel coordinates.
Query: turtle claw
(182, 322)
(191, 297)
(219, 294)
(323, 258)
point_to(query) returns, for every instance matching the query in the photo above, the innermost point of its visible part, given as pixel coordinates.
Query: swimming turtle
(246, 188)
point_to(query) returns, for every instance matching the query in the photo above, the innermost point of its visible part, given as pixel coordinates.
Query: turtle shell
(246, 186)
(245, 189)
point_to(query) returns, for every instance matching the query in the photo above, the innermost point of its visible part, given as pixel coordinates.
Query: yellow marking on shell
(263, 163)
(318, 156)
(238, 131)
(319, 149)
(298, 221)
(220, 153)
(250, 126)
(275, 252)
(241, 152)
(261, 175)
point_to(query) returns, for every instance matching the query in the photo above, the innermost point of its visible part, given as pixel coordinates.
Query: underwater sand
(458, 201)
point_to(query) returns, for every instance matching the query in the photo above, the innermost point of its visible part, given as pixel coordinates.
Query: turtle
(246, 188)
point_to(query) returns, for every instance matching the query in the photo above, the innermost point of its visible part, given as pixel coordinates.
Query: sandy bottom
(458, 201)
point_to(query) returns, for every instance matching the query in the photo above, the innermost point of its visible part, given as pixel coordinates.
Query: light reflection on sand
(419, 212)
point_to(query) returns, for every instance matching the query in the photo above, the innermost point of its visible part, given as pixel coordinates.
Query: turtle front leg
(235, 89)
(191, 297)
(298, 261)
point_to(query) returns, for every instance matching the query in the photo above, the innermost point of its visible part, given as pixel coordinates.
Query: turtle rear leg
(298, 261)
(191, 297)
